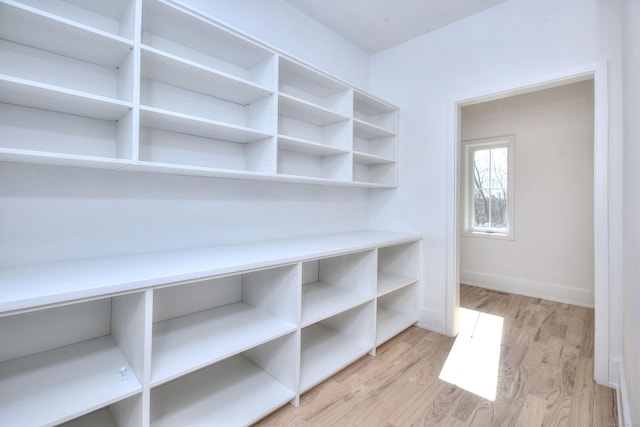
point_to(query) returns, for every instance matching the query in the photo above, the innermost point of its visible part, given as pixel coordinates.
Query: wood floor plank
(544, 375)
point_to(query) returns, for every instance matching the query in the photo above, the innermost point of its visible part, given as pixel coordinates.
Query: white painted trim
(530, 288)
(432, 321)
(602, 204)
(622, 397)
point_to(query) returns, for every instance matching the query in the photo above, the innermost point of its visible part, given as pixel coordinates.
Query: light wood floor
(544, 375)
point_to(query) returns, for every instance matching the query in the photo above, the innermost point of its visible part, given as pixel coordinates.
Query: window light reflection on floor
(474, 359)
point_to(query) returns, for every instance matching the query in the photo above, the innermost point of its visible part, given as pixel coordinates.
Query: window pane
(488, 177)
(480, 209)
(499, 210)
(499, 168)
(481, 169)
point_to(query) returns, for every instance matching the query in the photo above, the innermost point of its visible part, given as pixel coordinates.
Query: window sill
(488, 235)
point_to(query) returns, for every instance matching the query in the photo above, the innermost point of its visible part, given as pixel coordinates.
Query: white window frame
(469, 146)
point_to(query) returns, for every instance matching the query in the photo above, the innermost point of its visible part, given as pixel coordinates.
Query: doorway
(598, 75)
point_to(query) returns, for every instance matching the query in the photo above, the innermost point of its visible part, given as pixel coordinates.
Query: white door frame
(597, 72)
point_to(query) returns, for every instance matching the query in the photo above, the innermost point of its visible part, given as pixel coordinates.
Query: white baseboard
(624, 410)
(433, 320)
(529, 288)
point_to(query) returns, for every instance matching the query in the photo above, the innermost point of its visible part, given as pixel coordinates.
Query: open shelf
(333, 344)
(370, 159)
(124, 413)
(218, 318)
(385, 174)
(396, 311)
(38, 67)
(188, 343)
(196, 38)
(398, 266)
(170, 69)
(391, 323)
(40, 29)
(389, 282)
(366, 130)
(69, 137)
(236, 391)
(158, 118)
(333, 166)
(322, 300)
(374, 115)
(115, 17)
(336, 284)
(64, 362)
(303, 146)
(304, 111)
(34, 94)
(165, 150)
(63, 383)
(99, 418)
(299, 81)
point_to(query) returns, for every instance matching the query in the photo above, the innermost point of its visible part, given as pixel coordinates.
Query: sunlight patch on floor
(474, 359)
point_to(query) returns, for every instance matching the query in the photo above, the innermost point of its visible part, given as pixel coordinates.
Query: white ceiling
(376, 25)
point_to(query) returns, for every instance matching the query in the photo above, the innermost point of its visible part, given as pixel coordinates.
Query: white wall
(551, 255)
(631, 334)
(53, 213)
(284, 27)
(512, 44)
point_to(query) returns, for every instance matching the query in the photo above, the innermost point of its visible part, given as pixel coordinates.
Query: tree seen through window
(490, 189)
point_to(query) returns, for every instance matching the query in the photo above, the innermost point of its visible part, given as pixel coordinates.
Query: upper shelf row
(184, 76)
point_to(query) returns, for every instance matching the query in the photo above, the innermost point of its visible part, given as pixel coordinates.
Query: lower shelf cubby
(236, 391)
(125, 413)
(61, 363)
(201, 323)
(396, 311)
(333, 285)
(334, 343)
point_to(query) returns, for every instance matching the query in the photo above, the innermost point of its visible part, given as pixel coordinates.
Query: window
(489, 187)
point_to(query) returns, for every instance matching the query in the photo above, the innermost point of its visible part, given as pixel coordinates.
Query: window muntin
(489, 187)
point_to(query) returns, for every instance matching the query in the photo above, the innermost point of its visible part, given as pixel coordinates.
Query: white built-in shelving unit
(208, 336)
(375, 142)
(152, 85)
(397, 302)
